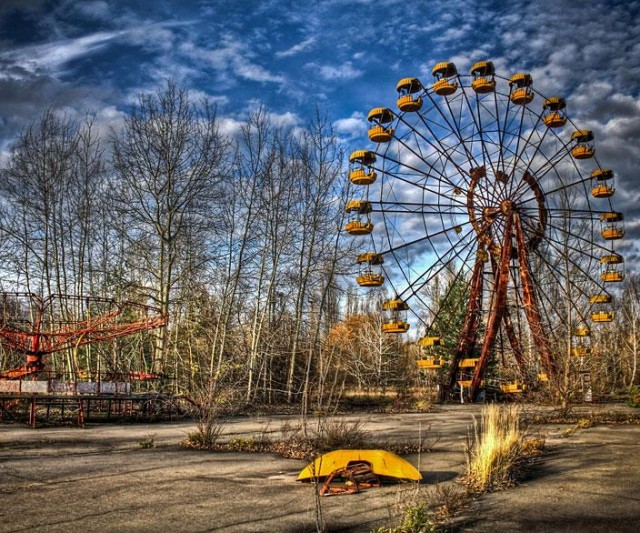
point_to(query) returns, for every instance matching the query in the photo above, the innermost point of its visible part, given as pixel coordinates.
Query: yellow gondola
(363, 157)
(612, 270)
(430, 364)
(582, 331)
(521, 91)
(407, 87)
(362, 207)
(430, 341)
(369, 278)
(483, 77)
(380, 116)
(601, 299)
(469, 363)
(357, 227)
(581, 351)
(361, 172)
(395, 326)
(395, 304)
(360, 176)
(584, 148)
(554, 116)
(602, 316)
(513, 388)
(604, 187)
(443, 73)
(611, 231)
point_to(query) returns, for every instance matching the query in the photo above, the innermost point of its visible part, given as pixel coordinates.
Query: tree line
(236, 239)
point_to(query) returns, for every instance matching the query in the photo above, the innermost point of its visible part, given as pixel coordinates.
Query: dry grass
(498, 449)
(426, 510)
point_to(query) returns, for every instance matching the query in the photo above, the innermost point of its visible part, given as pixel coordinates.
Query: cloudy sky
(342, 55)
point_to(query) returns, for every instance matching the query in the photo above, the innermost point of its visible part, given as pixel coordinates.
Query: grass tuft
(498, 449)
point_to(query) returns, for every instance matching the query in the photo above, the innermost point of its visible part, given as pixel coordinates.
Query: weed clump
(498, 449)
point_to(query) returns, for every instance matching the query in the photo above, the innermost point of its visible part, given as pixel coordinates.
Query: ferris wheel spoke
(442, 263)
(423, 187)
(428, 237)
(575, 236)
(442, 151)
(454, 128)
(561, 188)
(543, 297)
(559, 281)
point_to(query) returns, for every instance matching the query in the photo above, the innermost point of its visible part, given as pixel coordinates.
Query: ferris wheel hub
(506, 206)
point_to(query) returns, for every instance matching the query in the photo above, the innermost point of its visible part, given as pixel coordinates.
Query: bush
(634, 397)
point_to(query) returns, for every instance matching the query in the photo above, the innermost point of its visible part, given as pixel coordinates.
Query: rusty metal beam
(498, 307)
(530, 303)
(469, 332)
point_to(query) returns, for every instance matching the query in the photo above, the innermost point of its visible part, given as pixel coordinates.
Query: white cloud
(354, 126)
(296, 49)
(345, 71)
(52, 57)
(233, 58)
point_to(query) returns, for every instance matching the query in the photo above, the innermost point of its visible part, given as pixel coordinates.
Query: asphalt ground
(100, 479)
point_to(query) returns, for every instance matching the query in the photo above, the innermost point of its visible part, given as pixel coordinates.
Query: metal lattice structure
(38, 326)
(482, 176)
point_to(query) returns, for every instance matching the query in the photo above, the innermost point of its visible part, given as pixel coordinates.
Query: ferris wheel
(482, 178)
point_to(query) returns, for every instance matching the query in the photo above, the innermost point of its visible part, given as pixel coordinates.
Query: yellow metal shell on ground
(382, 463)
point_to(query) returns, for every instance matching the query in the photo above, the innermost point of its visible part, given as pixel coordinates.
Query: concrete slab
(100, 479)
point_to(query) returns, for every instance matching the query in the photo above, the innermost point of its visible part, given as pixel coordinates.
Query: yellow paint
(383, 463)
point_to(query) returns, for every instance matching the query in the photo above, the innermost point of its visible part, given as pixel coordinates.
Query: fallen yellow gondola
(382, 462)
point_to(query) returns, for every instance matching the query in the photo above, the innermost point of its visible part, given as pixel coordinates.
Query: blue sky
(343, 56)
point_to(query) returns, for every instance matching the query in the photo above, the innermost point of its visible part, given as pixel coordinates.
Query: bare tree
(169, 159)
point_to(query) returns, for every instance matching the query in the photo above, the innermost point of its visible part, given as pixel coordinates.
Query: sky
(343, 56)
